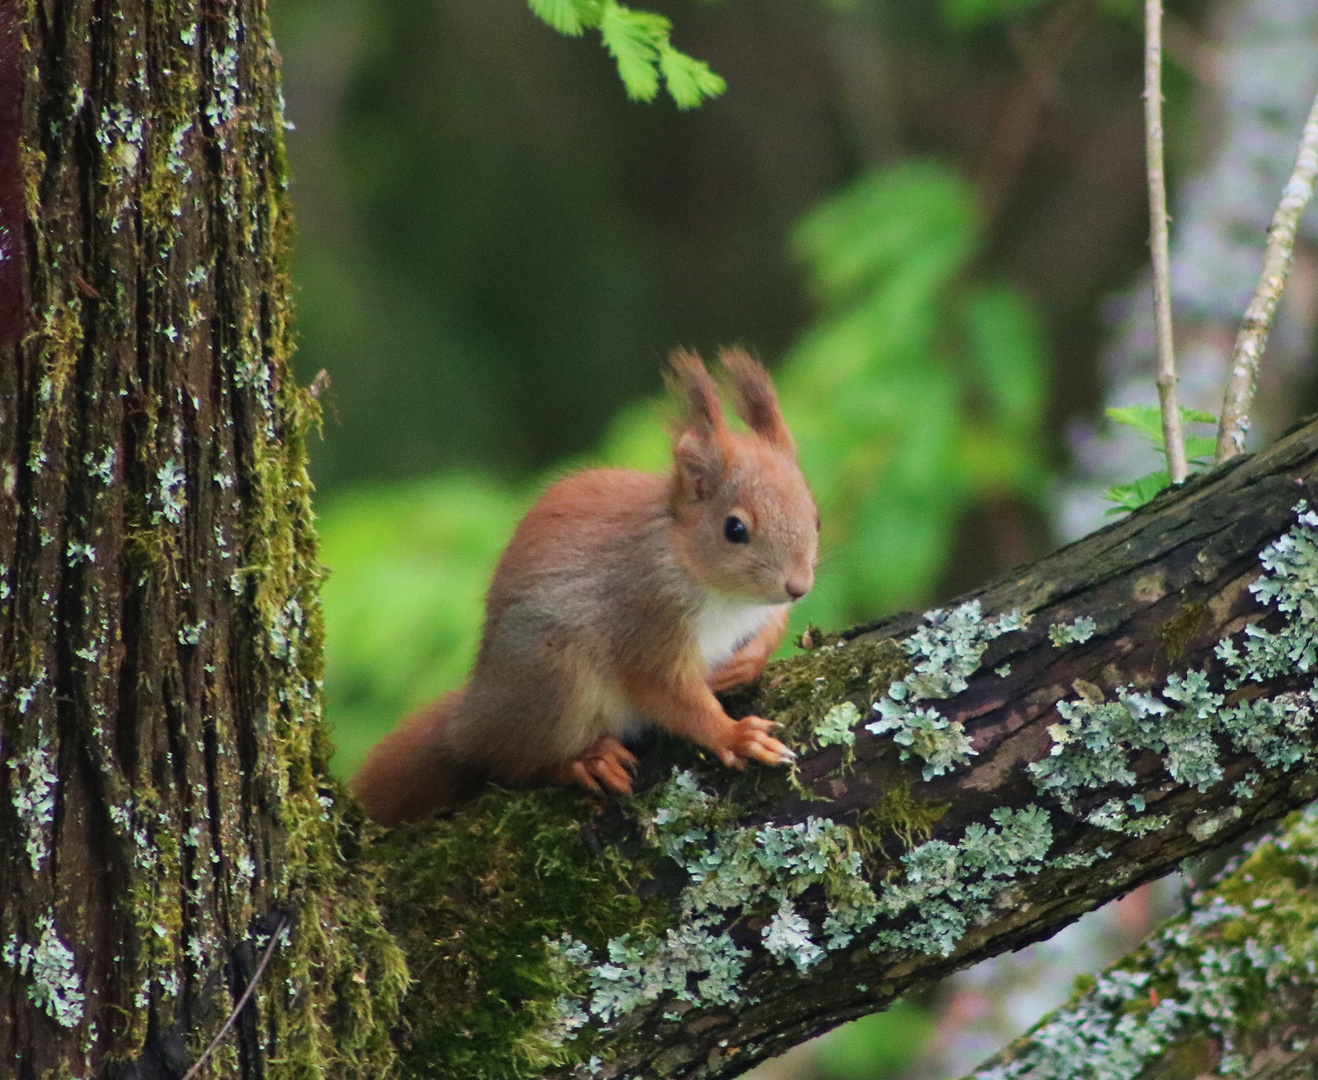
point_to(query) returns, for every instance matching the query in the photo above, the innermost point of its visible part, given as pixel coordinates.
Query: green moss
(1178, 631)
(1187, 1060)
(342, 974)
(897, 814)
(799, 691)
(475, 899)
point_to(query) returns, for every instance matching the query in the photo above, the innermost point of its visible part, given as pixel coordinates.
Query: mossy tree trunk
(162, 802)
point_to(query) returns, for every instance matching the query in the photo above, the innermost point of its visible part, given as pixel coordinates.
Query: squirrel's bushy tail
(410, 774)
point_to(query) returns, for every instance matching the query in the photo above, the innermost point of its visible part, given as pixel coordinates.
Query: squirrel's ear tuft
(757, 401)
(701, 443)
(702, 410)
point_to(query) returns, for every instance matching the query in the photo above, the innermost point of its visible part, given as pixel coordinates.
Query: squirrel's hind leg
(605, 764)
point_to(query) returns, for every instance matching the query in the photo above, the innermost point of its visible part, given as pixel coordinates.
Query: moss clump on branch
(897, 814)
(475, 900)
(799, 692)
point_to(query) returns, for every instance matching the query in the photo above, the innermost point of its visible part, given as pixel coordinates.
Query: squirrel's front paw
(751, 741)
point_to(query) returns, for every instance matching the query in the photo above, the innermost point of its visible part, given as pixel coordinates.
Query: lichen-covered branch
(1253, 335)
(970, 780)
(1227, 988)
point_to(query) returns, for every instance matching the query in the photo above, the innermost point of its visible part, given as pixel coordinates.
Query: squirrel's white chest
(726, 623)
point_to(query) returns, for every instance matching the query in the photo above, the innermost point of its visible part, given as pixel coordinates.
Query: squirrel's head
(747, 523)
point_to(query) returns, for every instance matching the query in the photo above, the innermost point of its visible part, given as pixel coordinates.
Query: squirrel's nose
(796, 590)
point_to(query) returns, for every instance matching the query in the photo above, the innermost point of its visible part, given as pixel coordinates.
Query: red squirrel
(624, 597)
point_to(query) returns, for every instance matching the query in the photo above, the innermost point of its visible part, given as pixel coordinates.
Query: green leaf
(882, 224)
(634, 40)
(639, 43)
(1147, 420)
(562, 15)
(1200, 449)
(689, 81)
(1134, 495)
(881, 1045)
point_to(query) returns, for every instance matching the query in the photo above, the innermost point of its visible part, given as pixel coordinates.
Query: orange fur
(621, 600)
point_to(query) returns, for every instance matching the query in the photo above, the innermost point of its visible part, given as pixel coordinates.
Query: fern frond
(562, 15)
(639, 43)
(689, 81)
(633, 39)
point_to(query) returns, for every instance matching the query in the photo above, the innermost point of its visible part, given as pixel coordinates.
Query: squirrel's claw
(753, 742)
(607, 764)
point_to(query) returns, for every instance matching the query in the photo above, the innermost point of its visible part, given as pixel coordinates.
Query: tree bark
(163, 801)
(719, 918)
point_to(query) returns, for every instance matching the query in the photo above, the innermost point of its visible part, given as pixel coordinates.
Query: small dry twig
(1173, 437)
(1253, 335)
(247, 993)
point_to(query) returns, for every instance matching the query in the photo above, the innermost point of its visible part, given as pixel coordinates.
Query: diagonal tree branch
(1227, 988)
(1253, 336)
(1147, 705)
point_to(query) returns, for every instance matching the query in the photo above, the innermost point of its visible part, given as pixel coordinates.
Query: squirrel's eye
(735, 530)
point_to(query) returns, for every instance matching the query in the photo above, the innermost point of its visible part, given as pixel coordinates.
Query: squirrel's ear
(701, 444)
(757, 401)
(699, 464)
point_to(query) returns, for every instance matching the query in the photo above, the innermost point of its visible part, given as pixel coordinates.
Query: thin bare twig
(1173, 437)
(251, 986)
(1253, 336)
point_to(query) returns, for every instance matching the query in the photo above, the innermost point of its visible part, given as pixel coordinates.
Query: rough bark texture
(1168, 748)
(162, 795)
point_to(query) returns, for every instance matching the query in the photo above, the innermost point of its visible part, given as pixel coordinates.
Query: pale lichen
(1074, 633)
(172, 481)
(945, 652)
(1197, 992)
(837, 728)
(950, 886)
(32, 793)
(1186, 721)
(734, 872)
(48, 965)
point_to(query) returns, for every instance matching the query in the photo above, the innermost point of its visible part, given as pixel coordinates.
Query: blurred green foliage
(883, 1044)
(919, 391)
